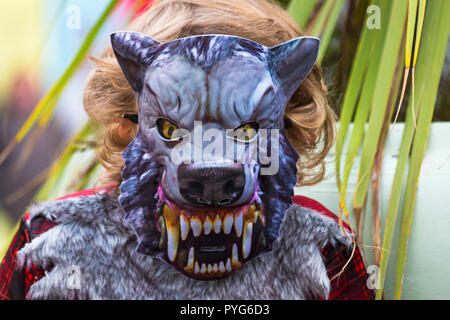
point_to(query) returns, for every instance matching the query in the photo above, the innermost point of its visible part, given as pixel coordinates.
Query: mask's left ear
(133, 50)
(294, 60)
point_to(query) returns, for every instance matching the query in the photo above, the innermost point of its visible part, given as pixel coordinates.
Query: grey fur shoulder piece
(92, 255)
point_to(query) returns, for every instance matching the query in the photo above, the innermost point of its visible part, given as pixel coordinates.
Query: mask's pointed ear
(132, 50)
(294, 60)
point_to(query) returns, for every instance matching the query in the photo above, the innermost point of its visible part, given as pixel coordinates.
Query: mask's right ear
(132, 50)
(294, 60)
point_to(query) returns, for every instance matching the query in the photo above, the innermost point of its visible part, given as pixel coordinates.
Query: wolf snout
(211, 185)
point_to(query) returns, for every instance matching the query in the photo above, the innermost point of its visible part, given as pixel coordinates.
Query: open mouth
(212, 243)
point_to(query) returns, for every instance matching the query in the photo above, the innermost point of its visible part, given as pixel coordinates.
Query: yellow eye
(166, 129)
(246, 131)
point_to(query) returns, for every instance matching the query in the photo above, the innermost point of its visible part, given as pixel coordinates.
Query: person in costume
(211, 113)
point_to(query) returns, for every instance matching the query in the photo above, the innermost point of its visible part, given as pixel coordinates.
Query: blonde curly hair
(310, 122)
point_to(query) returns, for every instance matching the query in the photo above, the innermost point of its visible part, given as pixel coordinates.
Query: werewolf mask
(191, 204)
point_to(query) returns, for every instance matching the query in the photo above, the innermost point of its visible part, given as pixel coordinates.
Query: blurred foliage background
(48, 148)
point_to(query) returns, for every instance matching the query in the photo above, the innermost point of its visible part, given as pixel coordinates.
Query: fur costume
(91, 235)
(83, 237)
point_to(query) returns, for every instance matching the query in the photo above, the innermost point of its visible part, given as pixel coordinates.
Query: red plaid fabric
(11, 281)
(349, 285)
(15, 282)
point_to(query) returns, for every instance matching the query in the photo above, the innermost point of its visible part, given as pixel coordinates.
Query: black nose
(212, 185)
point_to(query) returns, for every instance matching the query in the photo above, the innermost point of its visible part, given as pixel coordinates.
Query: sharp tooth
(197, 268)
(184, 227)
(217, 224)
(238, 222)
(247, 239)
(215, 268)
(161, 223)
(190, 260)
(255, 217)
(203, 268)
(173, 232)
(207, 225)
(221, 266)
(235, 258)
(162, 228)
(250, 214)
(262, 218)
(209, 268)
(196, 226)
(228, 265)
(228, 223)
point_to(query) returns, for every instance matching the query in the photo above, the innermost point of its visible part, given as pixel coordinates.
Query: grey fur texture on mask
(92, 242)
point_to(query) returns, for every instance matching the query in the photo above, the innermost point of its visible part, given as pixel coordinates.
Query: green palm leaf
(47, 104)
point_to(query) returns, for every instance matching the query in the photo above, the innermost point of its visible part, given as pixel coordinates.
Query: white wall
(428, 265)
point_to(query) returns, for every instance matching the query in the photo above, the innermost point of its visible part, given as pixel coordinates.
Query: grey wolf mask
(208, 217)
